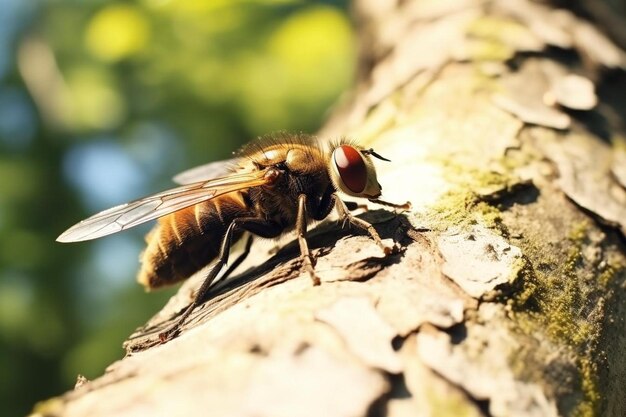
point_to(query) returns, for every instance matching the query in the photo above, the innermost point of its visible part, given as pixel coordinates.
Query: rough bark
(504, 122)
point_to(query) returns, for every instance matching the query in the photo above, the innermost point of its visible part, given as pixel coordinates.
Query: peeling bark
(505, 126)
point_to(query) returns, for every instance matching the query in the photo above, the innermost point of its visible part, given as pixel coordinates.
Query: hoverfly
(276, 184)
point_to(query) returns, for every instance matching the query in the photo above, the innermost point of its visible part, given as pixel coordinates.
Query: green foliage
(103, 101)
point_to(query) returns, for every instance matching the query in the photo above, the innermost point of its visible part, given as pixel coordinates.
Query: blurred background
(102, 102)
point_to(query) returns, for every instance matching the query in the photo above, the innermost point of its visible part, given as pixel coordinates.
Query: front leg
(345, 214)
(308, 262)
(405, 206)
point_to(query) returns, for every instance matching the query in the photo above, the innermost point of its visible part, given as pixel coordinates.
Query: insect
(276, 184)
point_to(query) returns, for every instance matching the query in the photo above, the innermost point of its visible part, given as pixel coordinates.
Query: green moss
(450, 405)
(589, 385)
(526, 275)
(494, 38)
(578, 232)
(451, 208)
(463, 208)
(490, 50)
(613, 269)
(473, 198)
(490, 215)
(556, 303)
(557, 296)
(499, 28)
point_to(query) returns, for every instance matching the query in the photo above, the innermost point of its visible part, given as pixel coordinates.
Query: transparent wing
(207, 171)
(148, 208)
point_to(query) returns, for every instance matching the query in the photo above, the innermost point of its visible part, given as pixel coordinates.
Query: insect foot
(169, 334)
(389, 246)
(316, 280)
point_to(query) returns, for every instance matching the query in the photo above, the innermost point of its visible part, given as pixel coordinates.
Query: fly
(275, 185)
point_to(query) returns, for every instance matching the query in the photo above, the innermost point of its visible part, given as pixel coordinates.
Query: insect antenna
(375, 155)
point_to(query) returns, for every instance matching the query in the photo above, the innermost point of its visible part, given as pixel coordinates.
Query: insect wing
(131, 214)
(206, 171)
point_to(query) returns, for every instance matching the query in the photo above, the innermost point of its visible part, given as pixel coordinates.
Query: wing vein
(131, 214)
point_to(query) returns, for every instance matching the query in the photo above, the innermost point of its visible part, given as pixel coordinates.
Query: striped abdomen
(186, 241)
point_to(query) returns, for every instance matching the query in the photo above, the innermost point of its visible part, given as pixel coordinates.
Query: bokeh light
(103, 173)
(117, 32)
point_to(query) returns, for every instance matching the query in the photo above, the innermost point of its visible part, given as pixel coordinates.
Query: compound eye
(351, 168)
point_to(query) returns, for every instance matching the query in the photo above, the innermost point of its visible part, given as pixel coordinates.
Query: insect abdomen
(186, 241)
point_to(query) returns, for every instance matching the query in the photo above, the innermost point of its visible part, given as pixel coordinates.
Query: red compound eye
(351, 168)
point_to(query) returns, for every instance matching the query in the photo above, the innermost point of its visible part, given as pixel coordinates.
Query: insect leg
(325, 206)
(242, 257)
(257, 226)
(307, 261)
(361, 224)
(327, 203)
(352, 206)
(404, 206)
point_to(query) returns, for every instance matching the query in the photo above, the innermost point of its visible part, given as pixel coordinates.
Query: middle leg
(308, 262)
(257, 226)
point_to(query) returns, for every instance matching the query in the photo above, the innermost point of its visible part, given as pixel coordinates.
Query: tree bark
(504, 120)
